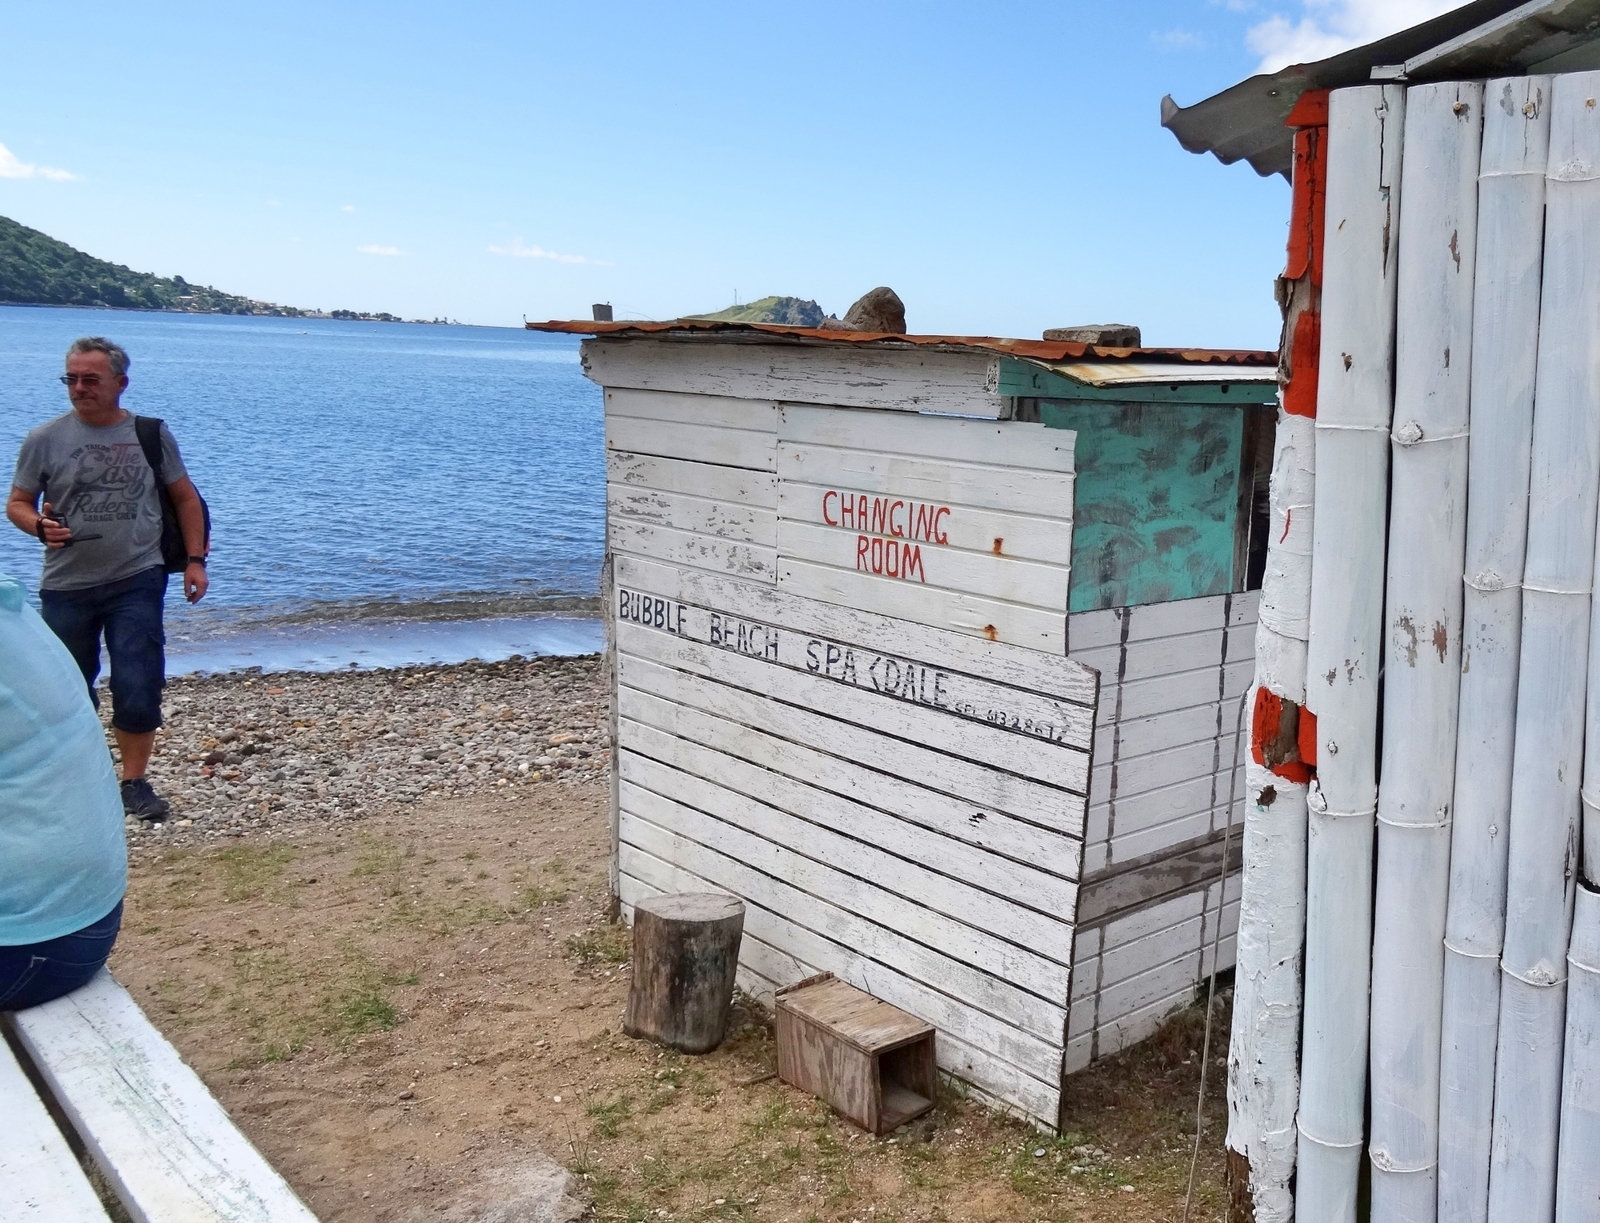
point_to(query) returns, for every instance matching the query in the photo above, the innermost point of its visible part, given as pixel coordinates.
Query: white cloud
(520, 250)
(374, 249)
(1177, 40)
(348, 208)
(11, 166)
(1330, 26)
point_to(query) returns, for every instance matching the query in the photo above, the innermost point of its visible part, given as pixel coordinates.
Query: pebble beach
(247, 752)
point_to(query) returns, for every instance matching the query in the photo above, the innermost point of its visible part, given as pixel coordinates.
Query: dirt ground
(412, 1013)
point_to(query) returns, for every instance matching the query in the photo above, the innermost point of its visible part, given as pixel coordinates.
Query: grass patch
(368, 1011)
(536, 896)
(378, 857)
(602, 945)
(248, 871)
(608, 1118)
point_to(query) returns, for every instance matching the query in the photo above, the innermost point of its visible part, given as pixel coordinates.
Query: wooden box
(871, 1061)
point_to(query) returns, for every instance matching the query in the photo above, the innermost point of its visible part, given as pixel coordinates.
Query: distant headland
(38, 270)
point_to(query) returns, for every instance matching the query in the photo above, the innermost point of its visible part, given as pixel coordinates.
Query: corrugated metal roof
(1034, 350)
(1484, 38)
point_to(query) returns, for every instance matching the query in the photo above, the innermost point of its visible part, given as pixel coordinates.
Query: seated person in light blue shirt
(63, 861)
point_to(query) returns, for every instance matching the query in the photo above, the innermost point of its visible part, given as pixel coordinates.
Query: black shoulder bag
(174, 551)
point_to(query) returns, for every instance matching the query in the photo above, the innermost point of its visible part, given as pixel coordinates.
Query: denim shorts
(128, 614)
(40, 972)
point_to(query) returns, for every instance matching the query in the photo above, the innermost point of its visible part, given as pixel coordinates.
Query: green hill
(790, 311)
(35, 269)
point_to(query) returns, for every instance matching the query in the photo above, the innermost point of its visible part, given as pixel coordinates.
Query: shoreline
(247, 752)
(367, 644)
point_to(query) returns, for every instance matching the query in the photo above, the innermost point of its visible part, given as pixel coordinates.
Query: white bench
(164, 1145)
(39, 1176)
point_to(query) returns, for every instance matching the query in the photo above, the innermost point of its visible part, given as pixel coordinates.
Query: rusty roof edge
(1037, 351)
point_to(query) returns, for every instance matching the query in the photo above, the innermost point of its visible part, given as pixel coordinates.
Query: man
(84, 487)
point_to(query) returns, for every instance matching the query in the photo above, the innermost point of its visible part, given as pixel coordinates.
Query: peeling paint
(1441, 639)
(1406, 626)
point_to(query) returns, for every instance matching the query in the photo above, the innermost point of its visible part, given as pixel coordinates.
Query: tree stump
(685, 950)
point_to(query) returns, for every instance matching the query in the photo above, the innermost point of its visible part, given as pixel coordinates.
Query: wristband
(198, 560)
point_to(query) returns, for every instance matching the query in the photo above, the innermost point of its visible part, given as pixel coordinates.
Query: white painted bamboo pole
(1422, 623)
(1578, 1175)
(1553, 673)
(1263, 1053)
(1505, 331)
(1355, 396)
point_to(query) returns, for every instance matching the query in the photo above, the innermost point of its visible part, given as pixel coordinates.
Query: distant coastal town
(38, 270)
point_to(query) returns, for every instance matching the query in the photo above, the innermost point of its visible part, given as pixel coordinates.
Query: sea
(381, 494)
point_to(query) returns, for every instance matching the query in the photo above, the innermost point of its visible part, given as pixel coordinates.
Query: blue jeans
(128, 613)
(39, 972)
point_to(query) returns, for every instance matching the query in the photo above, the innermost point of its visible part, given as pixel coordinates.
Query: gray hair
(115, 353)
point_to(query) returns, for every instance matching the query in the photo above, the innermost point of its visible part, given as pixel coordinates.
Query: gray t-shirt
(97, 476)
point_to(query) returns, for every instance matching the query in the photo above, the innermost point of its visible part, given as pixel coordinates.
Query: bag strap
(148, 430)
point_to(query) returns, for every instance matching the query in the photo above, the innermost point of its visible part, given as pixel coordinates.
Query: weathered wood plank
(1006, 980)
(1028, 669)
(1019, 536)
(40, 1180)
(166, 1146)
(1151, 840)
(676, 769)
(1056, 764)
(1046, 806)
(910, 379)
(1183, 688)
(932, 691)
(716, 411)
(1011, 623)
(1142, 812)
(1006, 578)
(739, 485)
(1209, 722)
(1004, 443)
(712, 444)
(990, 830)
(809, 925)
(1047, 494)
(1091, 629)
(1163, 656)
(710, 552)
(700, 515)
(1153, 770)
(1140, 882)
(984, 830)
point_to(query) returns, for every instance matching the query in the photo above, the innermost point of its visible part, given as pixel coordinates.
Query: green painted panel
(1024, 380)
(1157, 500)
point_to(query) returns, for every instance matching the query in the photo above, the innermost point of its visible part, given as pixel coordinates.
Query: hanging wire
(1216, 941)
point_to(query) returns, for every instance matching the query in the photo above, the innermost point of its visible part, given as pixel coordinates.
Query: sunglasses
(81, 379)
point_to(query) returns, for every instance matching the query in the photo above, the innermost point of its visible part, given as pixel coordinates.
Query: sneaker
(139, 798)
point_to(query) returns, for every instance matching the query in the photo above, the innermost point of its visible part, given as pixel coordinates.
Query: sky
(1001, 166)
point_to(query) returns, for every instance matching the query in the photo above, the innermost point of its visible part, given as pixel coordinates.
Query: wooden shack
(931, 649)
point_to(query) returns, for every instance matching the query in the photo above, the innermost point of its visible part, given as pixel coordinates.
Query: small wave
(467, 605)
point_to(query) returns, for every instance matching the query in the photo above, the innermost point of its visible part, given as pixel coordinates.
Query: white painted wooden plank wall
(1160, 785)
(1169, 705)
(911, 825)
(897, 801)
(894, 769)
(909, 379)
(960, 524)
